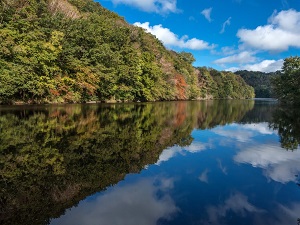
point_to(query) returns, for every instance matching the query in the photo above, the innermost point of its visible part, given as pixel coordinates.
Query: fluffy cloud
(172, 40)
(264, 66)
(281, 32)
(242, 57)
(226, 23)
(261, 128)
(278, 164)
(175, 150)
(243, 132)
(206, 13)
(157, 6)
(135, 203)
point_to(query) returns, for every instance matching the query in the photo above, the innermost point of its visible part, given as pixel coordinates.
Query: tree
(287, 123)
(286, 85)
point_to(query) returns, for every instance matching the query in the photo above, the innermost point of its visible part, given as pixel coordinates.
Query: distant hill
(55, 51)
(260, 81)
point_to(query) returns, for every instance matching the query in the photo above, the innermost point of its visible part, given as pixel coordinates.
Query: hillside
(55, 51)
(260, 81)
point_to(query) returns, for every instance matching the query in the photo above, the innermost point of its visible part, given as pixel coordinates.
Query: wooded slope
(77, 51)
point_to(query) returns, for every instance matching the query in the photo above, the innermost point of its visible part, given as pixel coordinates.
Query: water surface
(209, 162)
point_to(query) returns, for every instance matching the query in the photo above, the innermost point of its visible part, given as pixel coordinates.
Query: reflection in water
(236, 203)
(210, 162)
(222, 168)
(54, 156)
(244, 132)
(136, 203)
(239, 204)
(204, 176)
(171, 152)
(278, 165)
(287, 122)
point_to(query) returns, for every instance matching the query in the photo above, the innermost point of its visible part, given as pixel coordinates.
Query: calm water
(177, 163)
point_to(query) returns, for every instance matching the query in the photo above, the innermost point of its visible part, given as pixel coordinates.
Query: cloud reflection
(222, 168)
(137, 203)
(203, 176)
(237, 203)
(278, 164)
(244, 132)
(175, 150)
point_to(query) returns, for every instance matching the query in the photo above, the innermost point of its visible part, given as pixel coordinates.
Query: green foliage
(286, 121)
(223, 85)
(260, 81)
(77, 51)
(286, 85)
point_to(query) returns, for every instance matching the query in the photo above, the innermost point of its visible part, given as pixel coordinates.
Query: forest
(76, 51)
(260, 81)
(286, 84)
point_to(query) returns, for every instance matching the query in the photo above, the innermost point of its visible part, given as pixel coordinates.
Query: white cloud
(242, 57)
(281, 32)
(135, 203)
(226, 23)
(262, 128)
(172, 40)
(237, 203)
(241, 135)
(168, 154)
(263, 66)
(203, 176)
(175, 150)
(157, 6)
(206, 13)
(278, 164)
(243, 132)
(227, 50)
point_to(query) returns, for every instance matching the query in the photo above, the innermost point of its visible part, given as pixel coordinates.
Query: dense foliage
(286, 85)
(52, 157)
(286, 120)
(260, 81)
(223, 85)
(77, 51)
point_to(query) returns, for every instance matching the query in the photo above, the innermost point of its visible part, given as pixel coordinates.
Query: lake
(171, 163)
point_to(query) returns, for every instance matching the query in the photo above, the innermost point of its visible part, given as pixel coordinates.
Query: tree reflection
(52, 157)
(287, 122)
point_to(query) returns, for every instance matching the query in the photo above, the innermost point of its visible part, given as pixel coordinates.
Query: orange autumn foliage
(180, 87)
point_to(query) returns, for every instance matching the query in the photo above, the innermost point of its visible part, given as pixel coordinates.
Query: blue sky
(223, 34)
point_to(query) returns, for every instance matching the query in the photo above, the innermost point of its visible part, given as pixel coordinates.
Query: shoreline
(19, 103)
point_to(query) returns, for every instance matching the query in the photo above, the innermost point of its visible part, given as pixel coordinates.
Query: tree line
(54, 51)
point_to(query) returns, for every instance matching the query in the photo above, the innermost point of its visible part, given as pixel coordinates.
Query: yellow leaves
(68, 81)
(20, 50)
(54, 46)
(56, 38)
